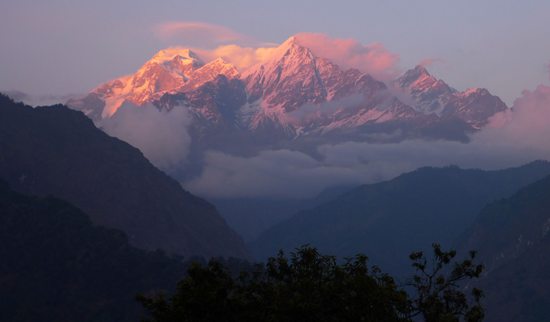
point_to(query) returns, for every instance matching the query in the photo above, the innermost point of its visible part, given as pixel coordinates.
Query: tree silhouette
(308, 286)
(439, 292)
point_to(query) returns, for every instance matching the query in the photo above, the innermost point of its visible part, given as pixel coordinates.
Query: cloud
(281, 173)
(294, 174)
(201, 34)
(39, 100)
(161, 136)
(372, 58)
(527, 123)
(430, 61)
(241, 57)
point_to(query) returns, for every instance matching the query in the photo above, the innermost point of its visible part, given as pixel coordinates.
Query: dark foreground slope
(57, 266)
(389, 220)
(513, 238)
(57, 151)
(519, 291)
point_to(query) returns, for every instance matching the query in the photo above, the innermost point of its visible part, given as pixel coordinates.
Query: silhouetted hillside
(57, 151)
(513, 239)
(57, 266)
(389, 220)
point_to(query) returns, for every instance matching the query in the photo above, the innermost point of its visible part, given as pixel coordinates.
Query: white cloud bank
(161, 136)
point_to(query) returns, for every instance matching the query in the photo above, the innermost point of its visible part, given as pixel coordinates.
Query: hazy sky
(62, 46)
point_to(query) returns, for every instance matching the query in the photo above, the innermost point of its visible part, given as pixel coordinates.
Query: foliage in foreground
(309, 286)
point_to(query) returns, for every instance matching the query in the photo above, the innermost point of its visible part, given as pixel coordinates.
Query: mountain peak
(292, 48)
(413, 75)
(474, 91)
(220, 61)
(419, 79)
(211, 70)
(290, 42)
(420, 69)
(169, 54)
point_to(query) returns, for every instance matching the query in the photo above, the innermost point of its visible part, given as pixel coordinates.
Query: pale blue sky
(61, 46)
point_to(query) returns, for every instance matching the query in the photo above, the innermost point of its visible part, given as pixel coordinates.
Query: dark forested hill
(57, 266)
(506, 228)
(57, 151)
(513, 239)
(389, 220)
(519, 290)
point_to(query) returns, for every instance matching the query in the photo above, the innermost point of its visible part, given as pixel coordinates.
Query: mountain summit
(431, 95)
(170, 70)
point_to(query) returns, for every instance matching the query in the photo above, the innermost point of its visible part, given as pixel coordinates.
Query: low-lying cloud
(160, 135)
(281, 173)
(38, 100)
(294, 174)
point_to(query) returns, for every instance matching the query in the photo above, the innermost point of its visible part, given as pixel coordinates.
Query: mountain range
(294, 96)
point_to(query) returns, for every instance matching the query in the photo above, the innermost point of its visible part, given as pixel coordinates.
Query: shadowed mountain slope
(57, 151)
(388, 220)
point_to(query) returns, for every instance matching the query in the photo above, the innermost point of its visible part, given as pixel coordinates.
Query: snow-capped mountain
(431, 95)
(293, 94)
(171, 70)
(300, 91)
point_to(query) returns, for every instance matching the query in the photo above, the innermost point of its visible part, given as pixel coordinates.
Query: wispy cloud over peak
(373, 58)
(430, 61)
(199, 34)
